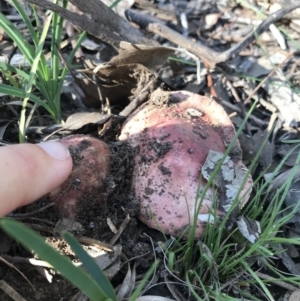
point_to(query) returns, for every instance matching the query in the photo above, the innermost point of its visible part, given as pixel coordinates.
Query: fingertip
(31, 171)
(55, 149)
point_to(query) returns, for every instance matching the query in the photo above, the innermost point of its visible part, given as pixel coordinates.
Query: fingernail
(55, 149)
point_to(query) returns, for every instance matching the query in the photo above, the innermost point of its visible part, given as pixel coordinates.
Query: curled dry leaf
(174, 133)
(80, 119)
(84, 188)
(152, 57)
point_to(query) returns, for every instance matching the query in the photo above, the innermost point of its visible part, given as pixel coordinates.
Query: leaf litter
(114, 85)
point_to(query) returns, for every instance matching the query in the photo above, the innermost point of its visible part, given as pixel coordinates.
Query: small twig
(233, 107)
(17, 215)
(240, 103)
(120, 231)
(197, 61)
(212, 56)
(209, 79)
(140, 97)
(277, 282)
(267, 77)
(13, 267)
(38, 227)
(93, 242)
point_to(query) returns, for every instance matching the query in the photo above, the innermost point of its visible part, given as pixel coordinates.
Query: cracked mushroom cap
(173, 134)
(83, 191)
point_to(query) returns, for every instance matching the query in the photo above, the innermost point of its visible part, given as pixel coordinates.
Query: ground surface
(266, 70)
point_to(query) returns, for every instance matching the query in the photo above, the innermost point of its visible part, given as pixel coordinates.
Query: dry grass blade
(127, 286)
(278, 282)
(11, 291)
(12, 266)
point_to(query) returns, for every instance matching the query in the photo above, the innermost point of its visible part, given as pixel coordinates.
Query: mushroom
(83, 191)
(174, 133)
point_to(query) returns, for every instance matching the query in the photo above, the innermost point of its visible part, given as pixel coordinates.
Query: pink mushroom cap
(84, 188)
(174, 133)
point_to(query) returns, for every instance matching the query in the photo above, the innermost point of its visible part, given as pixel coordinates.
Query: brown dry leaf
(126, 74)
(122, 74)
(152, 57)
(78, 120)
(141, 80)
(95, 95)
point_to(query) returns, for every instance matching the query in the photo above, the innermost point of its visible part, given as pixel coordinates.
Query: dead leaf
(286, 100)
(249, 228)
(152, 57)
(127, 286)
(229, 178)
(97, 94)
(78, 120)
(106, 260)
(287, 260)
(122, 74)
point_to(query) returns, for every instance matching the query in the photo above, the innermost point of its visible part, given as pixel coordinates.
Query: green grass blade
(32, 75)
(115, 3)
(16, 36)
(24, 75)
(57, 25)
(258, 280)
(91, 266)
(34, 242)
(17, 92)
(7, 67)
(27, 21)
(65, 69)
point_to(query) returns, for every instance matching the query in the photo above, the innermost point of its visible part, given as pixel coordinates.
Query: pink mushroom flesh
(83, 191)
(174, 139)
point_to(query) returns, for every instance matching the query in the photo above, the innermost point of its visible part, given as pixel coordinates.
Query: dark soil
(120, 203)
(117, 91)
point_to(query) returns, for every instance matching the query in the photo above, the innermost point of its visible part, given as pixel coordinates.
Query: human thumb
(29, 171)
